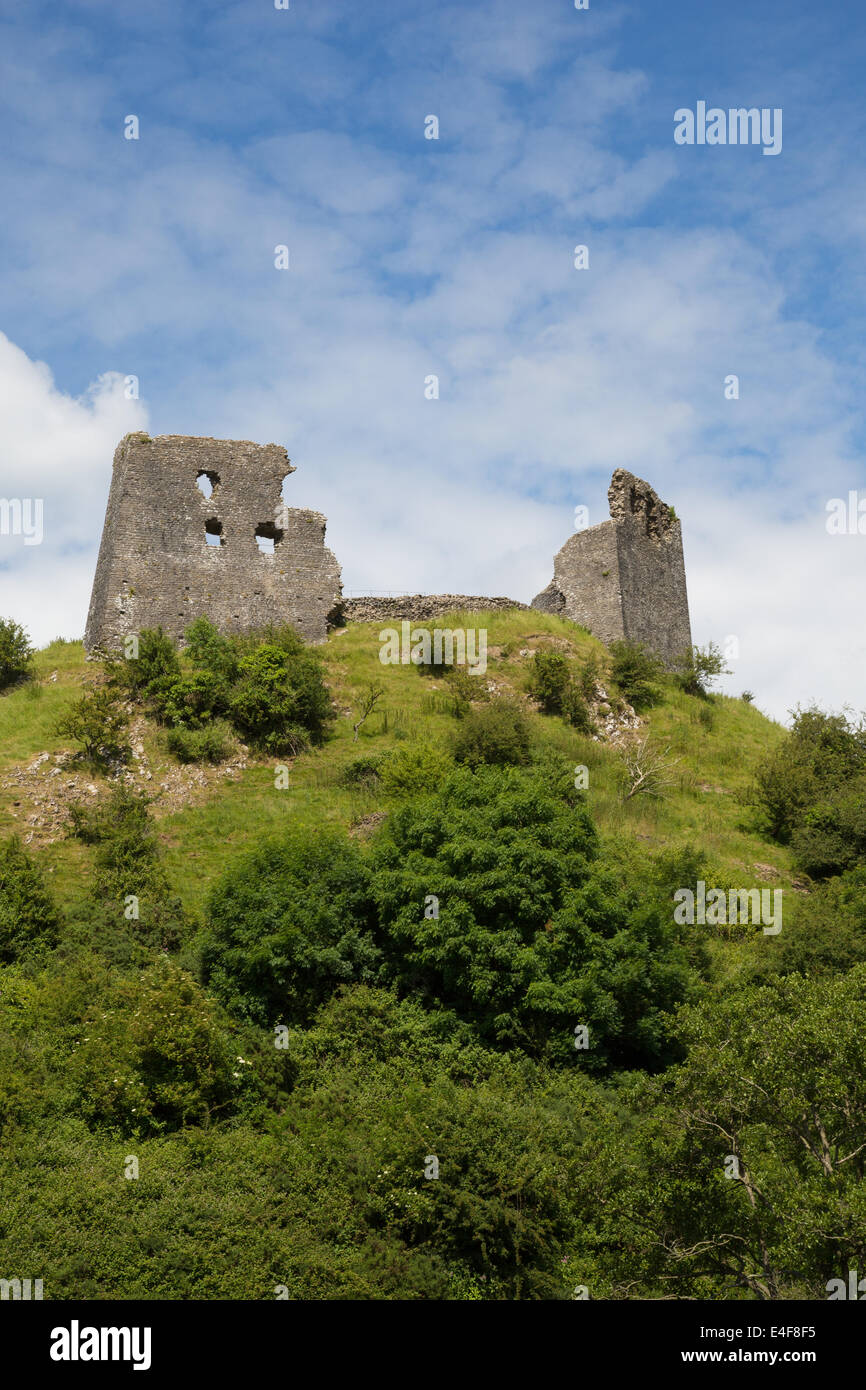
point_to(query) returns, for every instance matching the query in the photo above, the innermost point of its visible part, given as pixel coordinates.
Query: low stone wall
(419, 608)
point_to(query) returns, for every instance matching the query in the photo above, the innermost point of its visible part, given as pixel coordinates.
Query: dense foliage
(268, 687)
(454, 1046)
(16, 654)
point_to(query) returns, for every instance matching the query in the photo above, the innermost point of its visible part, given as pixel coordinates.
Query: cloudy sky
(412, 257)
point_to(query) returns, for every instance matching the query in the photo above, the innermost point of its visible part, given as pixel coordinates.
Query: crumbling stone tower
(187, 530)
(625, 578)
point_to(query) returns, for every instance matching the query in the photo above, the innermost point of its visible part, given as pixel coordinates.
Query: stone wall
(419, 608)
(626, 579)
(155, 566)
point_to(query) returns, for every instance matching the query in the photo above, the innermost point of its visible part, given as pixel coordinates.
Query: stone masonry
(625, 578)
(156, 567)
(420, 608)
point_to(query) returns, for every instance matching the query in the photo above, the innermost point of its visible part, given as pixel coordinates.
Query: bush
(575, 709)
(128, 865)
(549, 680)
(590, 677)
(289, 923)
(211, 650)
(831, 836)
(465, 689)
(98, 723)
(212, 744)
(152, 1057)
(827, 935)
(553, 685)
(811, 785)
(192, 701)
(697, 669)
(634, 670)
(531, 934)
(29, 920)
(157, 660)
(16, 654)
(363, 771)
(498, 734)
(281, 701)
(414, 770)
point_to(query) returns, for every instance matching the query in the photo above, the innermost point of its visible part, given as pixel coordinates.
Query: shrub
(634, 669)
(128, 864)
(363, 771)
(497, 733)
(552, 684)
(29, 920)
(157, 660)
(706, 717)
(576, 710)
(98, 723)
(549, 680)
(415, 769)
(281, 701)
(531, 934)
(289, 923)
(747, 697)
(212, 744)
(697, 669)
(152, 1057)
(807, 784)
(192, 701)
(464, 689)
(211, 650)
(831, 836)
(590, 676)
(827, 935)
(16, 654)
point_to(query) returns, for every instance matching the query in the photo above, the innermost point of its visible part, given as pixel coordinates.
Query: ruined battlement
(625, 579)
(198, 527)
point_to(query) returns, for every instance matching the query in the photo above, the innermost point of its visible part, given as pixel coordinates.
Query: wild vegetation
(401, 1009)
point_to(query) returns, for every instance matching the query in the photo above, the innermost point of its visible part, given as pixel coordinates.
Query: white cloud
(58, 449)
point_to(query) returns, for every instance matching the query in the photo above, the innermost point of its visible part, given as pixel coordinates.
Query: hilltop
(205, 814)
(383, 995)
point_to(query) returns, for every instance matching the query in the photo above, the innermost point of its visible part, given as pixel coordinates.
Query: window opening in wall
(206, 482)
(268, 536)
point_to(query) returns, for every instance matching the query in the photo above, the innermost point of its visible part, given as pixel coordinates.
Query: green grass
(717, 743)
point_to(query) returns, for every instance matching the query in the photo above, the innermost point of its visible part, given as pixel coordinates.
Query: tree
(698, 668)
(531, 934)
(635, 670)
(16, 654)
(97, 721)
(280, 702)
(744, 1172)
(29, 919)
(289, 923)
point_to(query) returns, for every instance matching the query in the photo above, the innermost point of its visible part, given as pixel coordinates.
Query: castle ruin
(196, 527)
(625, 579)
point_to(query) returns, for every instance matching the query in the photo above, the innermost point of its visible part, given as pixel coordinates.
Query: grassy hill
(716, 745)
(289, 1042)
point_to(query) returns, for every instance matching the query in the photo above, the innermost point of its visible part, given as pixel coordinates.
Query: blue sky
(453, 257)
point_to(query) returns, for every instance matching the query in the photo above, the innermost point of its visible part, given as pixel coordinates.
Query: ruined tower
(625, 578)
(182, 536)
